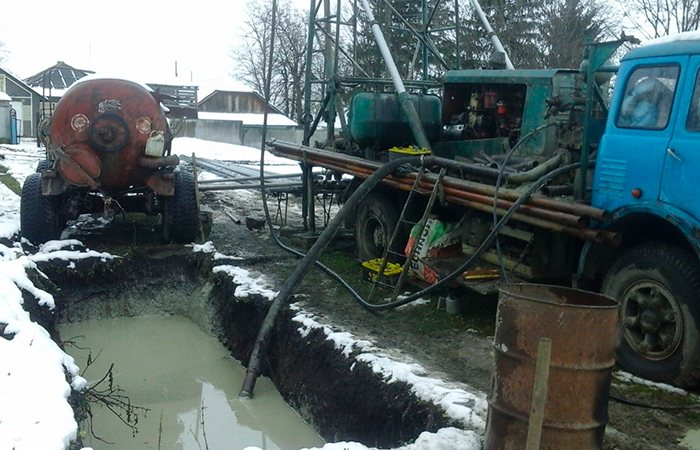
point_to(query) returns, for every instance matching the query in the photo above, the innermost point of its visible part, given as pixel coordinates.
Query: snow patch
(678, 37)
(629, 378)
(34, 412)
(246, 284)
(469, 409)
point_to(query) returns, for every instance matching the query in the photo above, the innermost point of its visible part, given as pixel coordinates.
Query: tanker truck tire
(39, 220)
(44, 165)
(181, 217)
(376, 219)
(657, 337)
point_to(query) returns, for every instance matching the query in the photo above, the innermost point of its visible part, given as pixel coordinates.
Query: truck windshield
(648, 97)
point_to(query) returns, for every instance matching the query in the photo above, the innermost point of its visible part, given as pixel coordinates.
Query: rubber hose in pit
(308, 261)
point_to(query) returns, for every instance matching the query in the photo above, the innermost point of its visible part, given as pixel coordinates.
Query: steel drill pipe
(585, 233)
(301, 153)
(407, 183)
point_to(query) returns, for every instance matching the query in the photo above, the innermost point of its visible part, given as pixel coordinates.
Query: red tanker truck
(108, 148)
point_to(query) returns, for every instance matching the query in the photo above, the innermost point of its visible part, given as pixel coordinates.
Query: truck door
(679, 185)
(633, 150)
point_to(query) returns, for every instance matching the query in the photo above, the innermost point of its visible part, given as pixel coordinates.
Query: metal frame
(322, 90)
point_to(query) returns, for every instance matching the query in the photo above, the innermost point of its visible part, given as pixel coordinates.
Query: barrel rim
(612, 303)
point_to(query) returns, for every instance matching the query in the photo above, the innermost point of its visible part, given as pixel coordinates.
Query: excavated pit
(342, 399)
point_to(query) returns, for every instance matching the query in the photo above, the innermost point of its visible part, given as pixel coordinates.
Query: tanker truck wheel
(657, 287)
(377, 216)
(181, 217)
(39, 220)
(44, 165)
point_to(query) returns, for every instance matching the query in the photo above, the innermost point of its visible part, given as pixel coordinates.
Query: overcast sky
(132, 38)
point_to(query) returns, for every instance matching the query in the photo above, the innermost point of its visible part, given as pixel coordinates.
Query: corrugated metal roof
(59, 76)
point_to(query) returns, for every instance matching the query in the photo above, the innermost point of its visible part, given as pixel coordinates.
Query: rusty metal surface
(108, 116)
(162, 183)
(581, 326)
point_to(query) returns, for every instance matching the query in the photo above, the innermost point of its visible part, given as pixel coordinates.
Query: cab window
(648, 97)
(692, 123)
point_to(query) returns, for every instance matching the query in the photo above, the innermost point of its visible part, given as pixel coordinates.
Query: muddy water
(691, 440)
(168, 365)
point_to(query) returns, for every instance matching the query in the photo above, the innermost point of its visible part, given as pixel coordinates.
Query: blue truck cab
(647, 166)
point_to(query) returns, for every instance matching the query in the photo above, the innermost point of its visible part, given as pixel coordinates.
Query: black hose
(306, 263)
(292, 283)
(484, 245)
(504, 163)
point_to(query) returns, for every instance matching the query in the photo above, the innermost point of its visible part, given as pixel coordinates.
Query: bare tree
(656, 18)
(252, 57)
(4, 51)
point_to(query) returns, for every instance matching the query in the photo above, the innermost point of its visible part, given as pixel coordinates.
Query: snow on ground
(250, 119)
(36, 376)
(229, 152)
(466, 407)
(632, 379)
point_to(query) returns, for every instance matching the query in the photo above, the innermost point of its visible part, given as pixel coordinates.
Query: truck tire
(181, 216)
(657, 286)
(39, 219)
(45, 164)
(376, 219)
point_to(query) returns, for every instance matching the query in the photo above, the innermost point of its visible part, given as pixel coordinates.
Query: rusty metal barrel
(581, 328)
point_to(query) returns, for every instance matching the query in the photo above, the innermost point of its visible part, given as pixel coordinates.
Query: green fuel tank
(376, 119)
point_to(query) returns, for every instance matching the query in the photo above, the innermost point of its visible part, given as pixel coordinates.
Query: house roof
(21, 83)
(248, 91)
(60, 77)
(223, 85)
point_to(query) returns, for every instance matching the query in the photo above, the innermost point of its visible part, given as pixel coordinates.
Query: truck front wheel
(657, 338)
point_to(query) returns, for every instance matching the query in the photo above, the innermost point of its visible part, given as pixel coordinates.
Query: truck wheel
(181, 217)
(657, 288)
(44, 165)
(39, 220)
(376, 218)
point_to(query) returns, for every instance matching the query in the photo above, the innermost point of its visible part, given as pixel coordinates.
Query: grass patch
(9, 181)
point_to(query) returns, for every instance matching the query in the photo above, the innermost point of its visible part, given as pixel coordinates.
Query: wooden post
(538, 403)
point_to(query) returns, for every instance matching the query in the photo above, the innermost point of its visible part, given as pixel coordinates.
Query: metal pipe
(536, 172)
(404, 98)
(236, 180)
(293, 151)
(492, 34)
(553, 191)
(485, 204)
(150, 162)
(237, 187)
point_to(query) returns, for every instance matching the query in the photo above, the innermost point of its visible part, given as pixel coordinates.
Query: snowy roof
(685, 36)
(223, 85)
(49, 93)
(24, 86)
(4, 96)
(274, 120)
